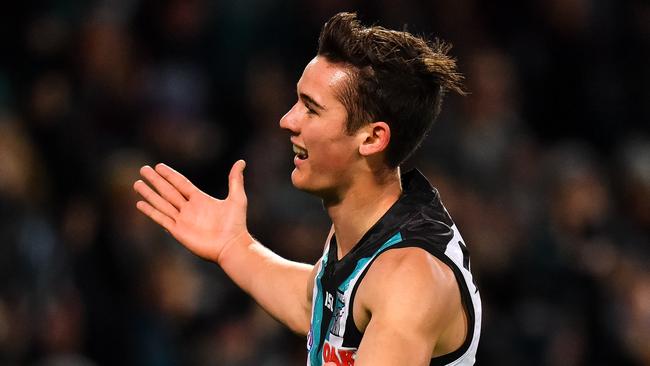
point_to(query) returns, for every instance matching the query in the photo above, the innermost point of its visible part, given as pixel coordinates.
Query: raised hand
(203, 224)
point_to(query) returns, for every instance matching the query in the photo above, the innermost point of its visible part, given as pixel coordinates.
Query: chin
(301, 183)
(298, 180)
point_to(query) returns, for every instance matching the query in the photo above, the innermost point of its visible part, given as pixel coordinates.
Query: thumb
(236, 180)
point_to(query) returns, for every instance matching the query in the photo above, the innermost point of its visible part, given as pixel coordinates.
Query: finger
(236, 180)
(154, 199)
(182, 184)
(157, 216)
(164, 188)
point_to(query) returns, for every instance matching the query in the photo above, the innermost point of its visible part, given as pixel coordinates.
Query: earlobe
(377, 137)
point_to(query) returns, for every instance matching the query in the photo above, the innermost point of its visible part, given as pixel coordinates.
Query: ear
(376, 138)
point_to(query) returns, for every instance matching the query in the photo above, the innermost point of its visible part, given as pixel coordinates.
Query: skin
(422, 318)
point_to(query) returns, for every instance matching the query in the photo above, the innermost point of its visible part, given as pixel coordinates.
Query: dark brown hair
(396, 77)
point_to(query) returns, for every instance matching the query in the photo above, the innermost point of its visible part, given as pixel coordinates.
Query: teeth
(302, 153)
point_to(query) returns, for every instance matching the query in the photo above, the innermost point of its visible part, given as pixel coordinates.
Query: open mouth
(300, 152)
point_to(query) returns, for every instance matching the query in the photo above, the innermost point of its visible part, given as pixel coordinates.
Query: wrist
(240, 241)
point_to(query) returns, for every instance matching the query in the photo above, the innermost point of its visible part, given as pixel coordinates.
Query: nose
(289, 121)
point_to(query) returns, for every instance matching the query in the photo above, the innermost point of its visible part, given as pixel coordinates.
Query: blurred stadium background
(545, 167)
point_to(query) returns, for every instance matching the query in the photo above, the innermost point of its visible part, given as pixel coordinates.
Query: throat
(353, 216)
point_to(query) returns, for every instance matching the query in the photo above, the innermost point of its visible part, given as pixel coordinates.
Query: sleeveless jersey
(417, 219)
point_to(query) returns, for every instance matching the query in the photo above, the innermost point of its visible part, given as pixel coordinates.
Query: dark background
(545, 168)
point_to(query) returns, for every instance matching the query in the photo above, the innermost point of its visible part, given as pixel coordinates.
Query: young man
(393, 286)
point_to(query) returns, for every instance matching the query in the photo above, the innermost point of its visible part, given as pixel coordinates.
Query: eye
(310, 110)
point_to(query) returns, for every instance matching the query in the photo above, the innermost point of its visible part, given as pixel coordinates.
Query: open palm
(203, 224)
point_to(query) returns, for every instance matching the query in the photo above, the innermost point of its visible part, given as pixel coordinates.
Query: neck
(361, 206)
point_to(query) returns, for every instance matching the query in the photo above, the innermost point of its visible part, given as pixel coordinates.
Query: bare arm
(412, 298)
(216, 230)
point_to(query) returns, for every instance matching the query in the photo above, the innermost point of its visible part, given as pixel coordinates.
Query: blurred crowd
(545, 167)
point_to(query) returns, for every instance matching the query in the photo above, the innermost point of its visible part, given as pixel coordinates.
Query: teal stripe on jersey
(362, 262)
(317, 318)
(315, 356)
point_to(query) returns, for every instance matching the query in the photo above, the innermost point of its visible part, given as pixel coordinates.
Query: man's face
(326, 155)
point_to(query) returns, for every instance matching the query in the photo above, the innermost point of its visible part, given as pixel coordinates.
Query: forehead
(322, 79)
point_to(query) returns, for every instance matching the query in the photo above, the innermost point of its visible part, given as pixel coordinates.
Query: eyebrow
(307, 99)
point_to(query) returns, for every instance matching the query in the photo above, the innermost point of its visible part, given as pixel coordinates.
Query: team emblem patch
(336, 328)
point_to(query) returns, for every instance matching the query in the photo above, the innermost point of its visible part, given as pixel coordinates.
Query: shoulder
(412, 285)
(411, 266)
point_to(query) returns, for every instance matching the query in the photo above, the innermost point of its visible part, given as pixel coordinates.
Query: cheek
(333, 155)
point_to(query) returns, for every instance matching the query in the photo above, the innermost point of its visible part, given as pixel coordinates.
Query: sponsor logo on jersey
(340, 356)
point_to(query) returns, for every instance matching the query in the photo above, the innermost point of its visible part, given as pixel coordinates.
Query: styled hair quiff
(396, 77)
